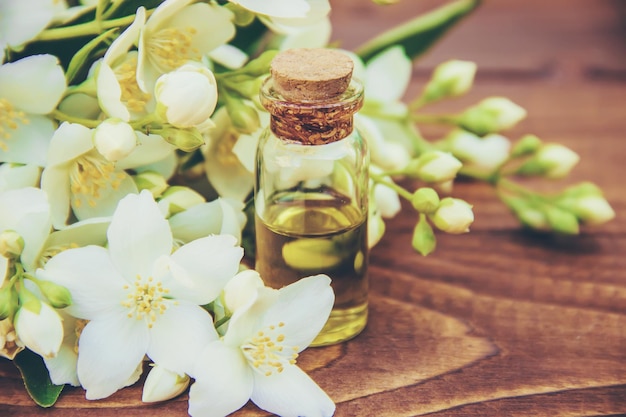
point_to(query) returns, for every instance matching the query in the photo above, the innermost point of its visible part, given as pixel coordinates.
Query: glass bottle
(311, 186)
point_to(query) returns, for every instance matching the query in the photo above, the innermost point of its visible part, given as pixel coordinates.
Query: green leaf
(85, 53)
(37, 379)
(418, 34)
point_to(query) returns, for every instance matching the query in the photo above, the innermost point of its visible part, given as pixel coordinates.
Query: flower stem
(64, 117)
(448, 119)
(380, 179)
(83, 29)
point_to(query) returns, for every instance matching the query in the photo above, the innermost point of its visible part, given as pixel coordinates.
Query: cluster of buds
(565, 212)
(450, 215)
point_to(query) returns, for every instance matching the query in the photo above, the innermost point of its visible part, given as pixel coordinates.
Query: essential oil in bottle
(311, 184)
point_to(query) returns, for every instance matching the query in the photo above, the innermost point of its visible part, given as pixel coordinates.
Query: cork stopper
(310, 74)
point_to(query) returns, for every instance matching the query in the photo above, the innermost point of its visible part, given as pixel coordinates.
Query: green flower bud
(181, 198)
(11, 244)
(593, 210)
(424, 240)
(527, 214)
(57, 295)
(551, 161)
(184, 139)
(434, 166)
(453, 216)
(244, 118)
(562, 221)
(491, 115)
(151, 181)
(527, 145)
(450, 79)
(582, 190)
(425, 200)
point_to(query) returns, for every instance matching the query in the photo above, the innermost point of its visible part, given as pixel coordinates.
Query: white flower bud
(11, 244)
(387, 201)
(179, 198)
(241, 289)
(187, 96)
(425, 200)
(450, 79)
(556, 160)
(481, 154)
(453, 216)
(492, 114)
(593, 210)
(434, 166)
(114, 139)
(375, 226)
(41, 332)
(162, 384)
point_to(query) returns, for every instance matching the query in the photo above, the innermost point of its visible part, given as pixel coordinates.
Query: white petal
(70, 140)
(291, 393)
(91, 278)
(109, 351)
(242, 289)
(304, 307)
(110, 93)
(223, 382)
(151, 148)
(313, 36)
(179, 335)
(277, 8)
(202, 268)
(29, 143)
(218, 217)
(125, 41)
(138, 235)
(18, 176)
(388, 75)
(55, 181)
(62, 367)
(21, 21)
(4, 268)
(40, 332)
(107, 200)
(34, 84)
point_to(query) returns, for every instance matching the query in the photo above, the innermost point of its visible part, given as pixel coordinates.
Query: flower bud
(187, 97)
(387, 200)
(526, 145)
(57, 295)
(593, 210)
(40, 332)
(527, 214)
(186, 140)
(424, 240)
(375, 226)
(434, 166)
(483, 155)
(453, 216)
(551, 161)
(244, 118)
(492, 114)
(450, 79)
(425, 200)
(151, 181)
(162, 384)
(240, 290)
(114, 139)
(562, 221)
(180, 198)
(11, 244)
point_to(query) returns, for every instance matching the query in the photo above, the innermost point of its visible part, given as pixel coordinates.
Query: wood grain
(500, 321)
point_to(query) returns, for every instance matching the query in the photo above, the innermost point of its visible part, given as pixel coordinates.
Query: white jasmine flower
(284, 16)
(40, 331)
(62, 367)
(481, 155)
(114, 139)
(242, 289)
(118, 90)
(79, 178)
(450, 79)
(21, 21)
(162, 384)
(453, 216)
(256, 357)
(230, 173)
(177, 32)
(187, 96)
(136, 294)
(30, 88)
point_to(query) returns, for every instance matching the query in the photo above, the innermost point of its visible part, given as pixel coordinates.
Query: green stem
(380, 179)
(448, 119)
(64, 117)
(83, 29)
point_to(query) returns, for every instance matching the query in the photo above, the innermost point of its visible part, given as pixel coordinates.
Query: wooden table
(498, 322)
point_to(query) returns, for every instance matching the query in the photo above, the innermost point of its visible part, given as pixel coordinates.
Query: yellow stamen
(265, 351)
(170, 48)
(10, 118)
(146, 300)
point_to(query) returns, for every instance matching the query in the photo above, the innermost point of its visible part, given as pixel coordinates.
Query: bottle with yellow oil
(311, 185)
